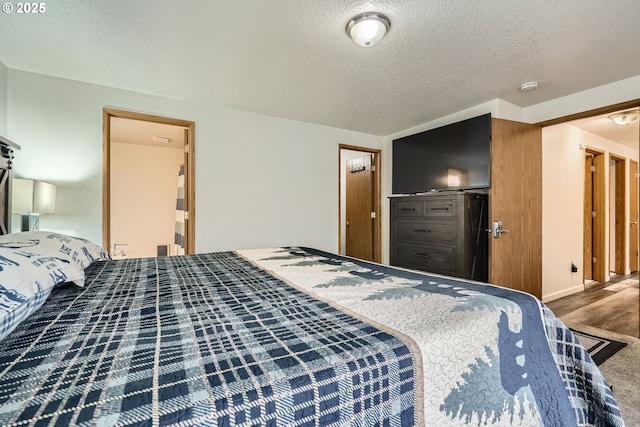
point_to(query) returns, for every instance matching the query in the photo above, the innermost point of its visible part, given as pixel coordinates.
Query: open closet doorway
(359, 203)
(148, 185)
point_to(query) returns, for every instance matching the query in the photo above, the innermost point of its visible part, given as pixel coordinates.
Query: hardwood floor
(613, 306)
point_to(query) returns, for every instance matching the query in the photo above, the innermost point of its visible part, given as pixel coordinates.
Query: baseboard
(563, 293)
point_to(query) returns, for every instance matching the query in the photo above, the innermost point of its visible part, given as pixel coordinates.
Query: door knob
(497, 230)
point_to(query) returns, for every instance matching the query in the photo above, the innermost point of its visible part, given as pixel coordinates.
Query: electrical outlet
(574, 267)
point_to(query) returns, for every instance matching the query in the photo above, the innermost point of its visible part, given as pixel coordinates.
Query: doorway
(582, 141)
(359, 203)
(148, 185)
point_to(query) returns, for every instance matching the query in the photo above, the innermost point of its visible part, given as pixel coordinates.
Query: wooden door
(516, 200)
(359, 206)
(600, 253)
(587, 223)
(620, 235)
(594, 242)
(633, 216)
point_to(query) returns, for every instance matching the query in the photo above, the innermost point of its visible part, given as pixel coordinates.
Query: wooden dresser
(441, 233)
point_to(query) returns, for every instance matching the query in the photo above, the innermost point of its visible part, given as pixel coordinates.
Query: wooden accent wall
(516, 199)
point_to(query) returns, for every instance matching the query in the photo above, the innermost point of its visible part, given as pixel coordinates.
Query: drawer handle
(422, 230)
(421, 255)
(444, 208)
(407, 209)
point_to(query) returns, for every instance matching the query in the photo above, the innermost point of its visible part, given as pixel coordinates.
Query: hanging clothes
(179, 228)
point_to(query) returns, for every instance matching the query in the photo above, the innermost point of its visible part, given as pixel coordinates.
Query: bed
(286, 336)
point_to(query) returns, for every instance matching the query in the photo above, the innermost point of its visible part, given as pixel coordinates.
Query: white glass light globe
(367, 29)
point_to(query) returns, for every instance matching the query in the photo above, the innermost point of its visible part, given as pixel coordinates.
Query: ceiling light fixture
(625, 118)
(528, 86)
(368, 28)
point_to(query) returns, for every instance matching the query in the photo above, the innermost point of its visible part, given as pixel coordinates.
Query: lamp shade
(44, 197)
(33, 196)
(22, 196)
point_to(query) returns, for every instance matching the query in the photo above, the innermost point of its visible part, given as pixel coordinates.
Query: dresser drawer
(443, 207)
(409, 208)
(434, 259)
(441, 232)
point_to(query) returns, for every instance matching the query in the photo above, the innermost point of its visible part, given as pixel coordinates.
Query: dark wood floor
(613, 306)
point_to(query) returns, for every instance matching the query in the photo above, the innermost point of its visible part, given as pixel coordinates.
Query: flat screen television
(451, 157)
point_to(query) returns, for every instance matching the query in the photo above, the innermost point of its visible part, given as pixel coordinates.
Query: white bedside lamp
(30, 199)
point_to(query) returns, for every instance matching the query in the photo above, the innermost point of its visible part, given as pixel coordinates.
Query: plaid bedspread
(489, 355)
(200, 340)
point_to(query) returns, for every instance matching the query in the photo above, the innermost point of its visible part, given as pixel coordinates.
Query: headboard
(6, 178)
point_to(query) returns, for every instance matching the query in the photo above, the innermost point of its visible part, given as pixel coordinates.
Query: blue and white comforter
(490, 355)
(293, 336)
(199, 340)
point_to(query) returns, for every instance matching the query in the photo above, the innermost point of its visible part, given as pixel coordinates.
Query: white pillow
(31, 264)
(48, 245)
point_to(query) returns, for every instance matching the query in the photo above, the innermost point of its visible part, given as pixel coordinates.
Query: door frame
(377, 180)
(590, 113)
(189, 173)
(587, 219)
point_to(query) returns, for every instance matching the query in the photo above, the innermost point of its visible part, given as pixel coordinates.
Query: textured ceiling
(293, 58)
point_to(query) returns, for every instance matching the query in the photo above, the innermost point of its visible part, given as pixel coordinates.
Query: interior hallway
(613, 306)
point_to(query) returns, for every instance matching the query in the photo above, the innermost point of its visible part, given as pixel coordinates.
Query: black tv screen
(451, 157)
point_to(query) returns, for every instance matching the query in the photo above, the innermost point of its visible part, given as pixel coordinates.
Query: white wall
(144, 182)
(260, 180)
(562, 210)
(562, 204)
